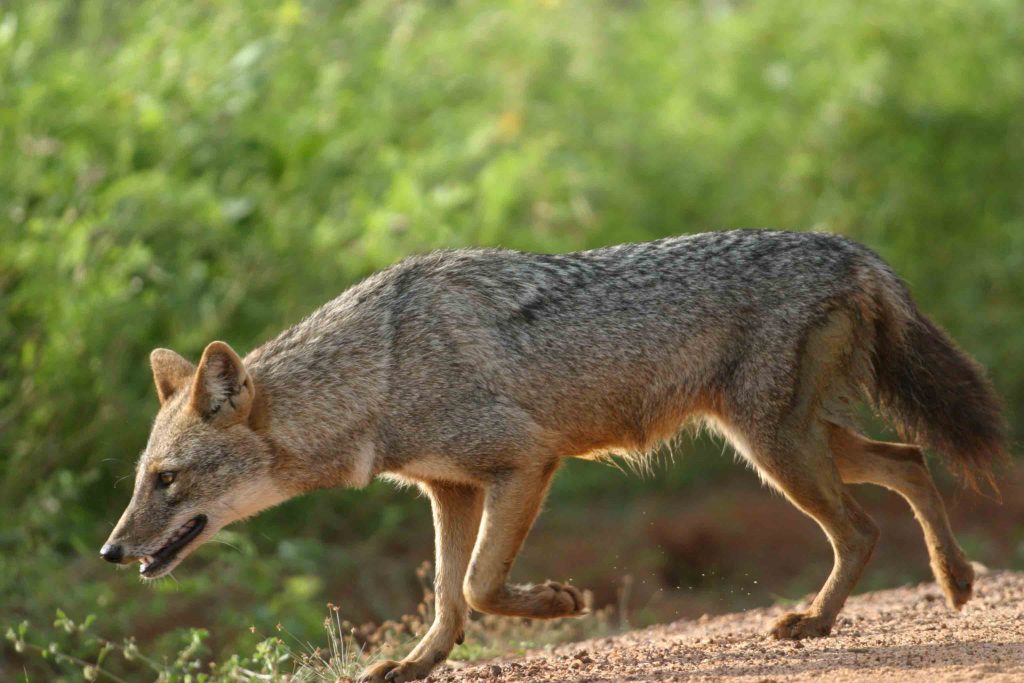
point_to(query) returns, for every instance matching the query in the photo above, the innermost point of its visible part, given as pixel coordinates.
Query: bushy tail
(937, 395)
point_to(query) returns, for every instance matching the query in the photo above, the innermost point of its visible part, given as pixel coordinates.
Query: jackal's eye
(165, 479)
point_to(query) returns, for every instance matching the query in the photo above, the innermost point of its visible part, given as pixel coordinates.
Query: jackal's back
(601, 348)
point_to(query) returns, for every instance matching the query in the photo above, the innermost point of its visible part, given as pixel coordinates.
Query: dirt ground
(905, 634)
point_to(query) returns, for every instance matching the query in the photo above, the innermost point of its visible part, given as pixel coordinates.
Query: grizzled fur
(472, 373)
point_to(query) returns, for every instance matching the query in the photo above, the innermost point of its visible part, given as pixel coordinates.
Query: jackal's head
(204, 466)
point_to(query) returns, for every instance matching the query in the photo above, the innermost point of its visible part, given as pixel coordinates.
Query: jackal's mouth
(153, 564)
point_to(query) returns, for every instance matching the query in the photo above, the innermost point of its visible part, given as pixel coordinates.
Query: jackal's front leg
(457, 512)
(510, 507)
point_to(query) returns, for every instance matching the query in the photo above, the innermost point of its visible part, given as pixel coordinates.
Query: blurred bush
(176, 172)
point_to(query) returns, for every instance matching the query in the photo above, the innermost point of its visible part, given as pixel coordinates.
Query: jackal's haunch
(472, 373)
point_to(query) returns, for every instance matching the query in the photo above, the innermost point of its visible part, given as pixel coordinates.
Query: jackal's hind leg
(901, 468)
(457, 511)
(804, 473)
(510, 508)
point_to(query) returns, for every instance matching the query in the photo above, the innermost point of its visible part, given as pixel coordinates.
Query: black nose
(111, 553)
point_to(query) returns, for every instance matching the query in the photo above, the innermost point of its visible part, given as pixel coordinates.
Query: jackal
(473, 373)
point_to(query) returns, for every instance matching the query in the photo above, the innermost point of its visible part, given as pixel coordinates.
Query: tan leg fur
(457, 509)
(498, 519)
(807, 477)
(901, 468)
(510, 508)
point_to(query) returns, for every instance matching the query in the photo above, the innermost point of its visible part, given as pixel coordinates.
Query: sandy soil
(906, 634)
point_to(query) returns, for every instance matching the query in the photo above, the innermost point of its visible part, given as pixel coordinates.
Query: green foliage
(271, 659)
(177, 172)
(349, 649)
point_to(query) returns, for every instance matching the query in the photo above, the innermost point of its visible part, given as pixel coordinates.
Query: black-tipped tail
(939, 397)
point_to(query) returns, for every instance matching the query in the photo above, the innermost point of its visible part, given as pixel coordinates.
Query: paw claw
(794, 626)
(390, 671)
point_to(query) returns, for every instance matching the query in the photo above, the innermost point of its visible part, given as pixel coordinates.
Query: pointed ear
(222, 389)
(171, 373)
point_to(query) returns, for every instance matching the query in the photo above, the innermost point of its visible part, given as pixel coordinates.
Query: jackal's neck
(320, 389)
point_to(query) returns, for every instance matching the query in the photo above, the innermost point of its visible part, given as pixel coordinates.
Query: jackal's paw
(794, 626)
(390, 671)
(552, 600)
(957, 581)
